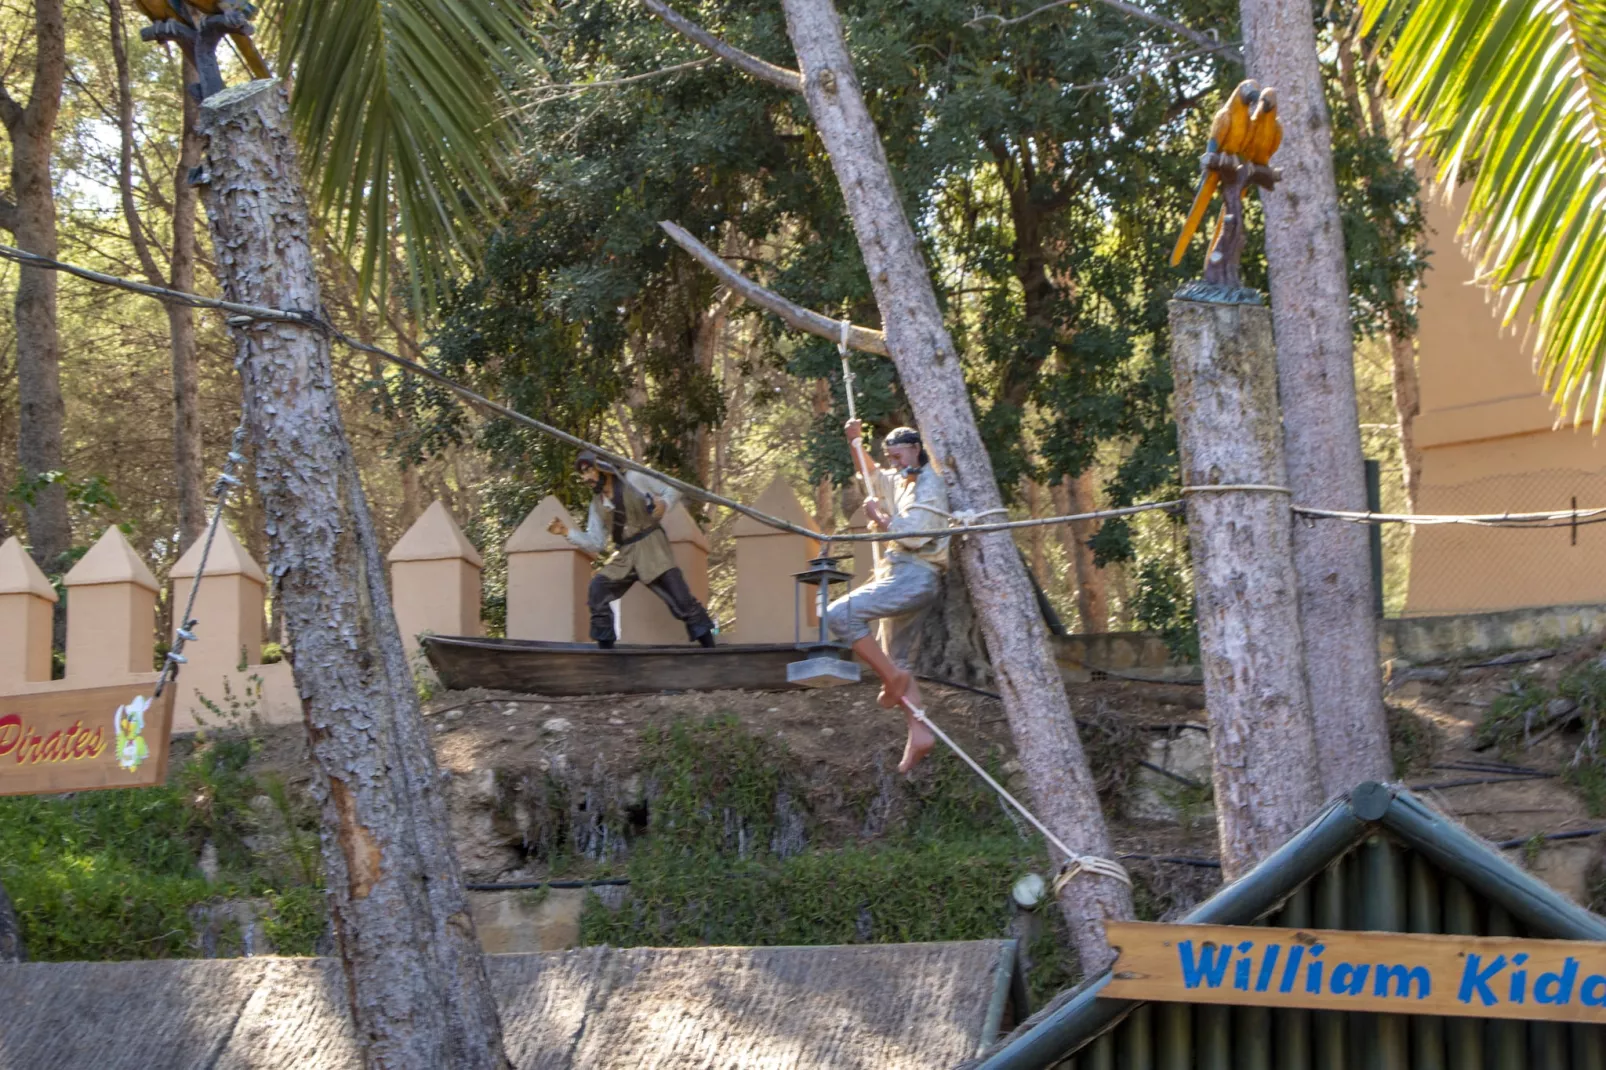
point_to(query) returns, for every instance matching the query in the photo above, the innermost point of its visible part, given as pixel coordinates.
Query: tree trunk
(1316, 380)
(928, 366)
(11, 946)
(189, 477)
(1407, 406)
(189, 468)
(1077, 494)
(1267, 780)
(415, 978)
(949, 645)
(32, 222)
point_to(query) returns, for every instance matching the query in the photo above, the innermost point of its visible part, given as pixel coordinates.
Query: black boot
(706, 639)
(605, 644)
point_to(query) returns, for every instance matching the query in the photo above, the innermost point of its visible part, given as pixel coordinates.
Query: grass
(116, 874)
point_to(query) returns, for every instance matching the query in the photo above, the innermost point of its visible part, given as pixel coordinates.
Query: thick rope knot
(1077, 865)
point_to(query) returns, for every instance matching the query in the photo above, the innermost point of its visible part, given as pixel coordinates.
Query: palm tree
(403, 112)
(1510, 96)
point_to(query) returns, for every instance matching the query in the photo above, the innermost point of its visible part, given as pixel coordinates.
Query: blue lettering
(1348, 979)
(1291, 971)
(1593, 994)
(1313, 972)
(1475, 980)
(1557, 988)
(1210, 967)
(1268, 966)
(1240, 970)
(1402, 978)
(1519, 979)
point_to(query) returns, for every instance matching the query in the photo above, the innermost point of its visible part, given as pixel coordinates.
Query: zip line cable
(243, 314)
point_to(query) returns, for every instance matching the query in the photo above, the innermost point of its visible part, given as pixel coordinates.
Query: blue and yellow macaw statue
(197, 25)
(1230, 133)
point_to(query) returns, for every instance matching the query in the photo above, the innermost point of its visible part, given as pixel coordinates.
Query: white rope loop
(1075, 863)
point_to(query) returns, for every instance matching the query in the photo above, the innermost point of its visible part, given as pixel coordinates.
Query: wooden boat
(543, 668)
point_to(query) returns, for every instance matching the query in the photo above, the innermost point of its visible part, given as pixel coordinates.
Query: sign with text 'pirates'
(83, 739)
(1393, 973)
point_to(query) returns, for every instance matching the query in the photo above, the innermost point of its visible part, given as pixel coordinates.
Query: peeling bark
(1316, 378)
(1267, 779)
(32, 222)
(1056, 770)
(416, 981)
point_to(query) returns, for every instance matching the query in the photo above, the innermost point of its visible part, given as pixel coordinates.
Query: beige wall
(1489, 445)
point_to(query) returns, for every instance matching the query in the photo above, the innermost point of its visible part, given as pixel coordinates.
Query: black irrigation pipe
(1470, 781)
(514, 886)
(1523, 841)
(1187, 781)
(1485, 767)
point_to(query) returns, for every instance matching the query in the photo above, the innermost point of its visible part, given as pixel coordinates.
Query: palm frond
(1510, 95)
(402, 108)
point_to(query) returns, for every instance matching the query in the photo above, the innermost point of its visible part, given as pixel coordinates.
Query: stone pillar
(435, 579)
(546, 580)
(766, 560)
(228, 610)
(26, 598)
(645, 617)
(111, 613)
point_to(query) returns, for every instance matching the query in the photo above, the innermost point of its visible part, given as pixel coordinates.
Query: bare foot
(895, 687)
(919, 744)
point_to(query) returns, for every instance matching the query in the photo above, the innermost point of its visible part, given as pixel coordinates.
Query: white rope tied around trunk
(226, 482)
(1075, 863)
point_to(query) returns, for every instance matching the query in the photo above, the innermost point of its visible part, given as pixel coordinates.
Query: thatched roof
(881, 1006)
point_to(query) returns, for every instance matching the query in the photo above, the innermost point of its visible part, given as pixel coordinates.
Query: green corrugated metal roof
(1378, 859)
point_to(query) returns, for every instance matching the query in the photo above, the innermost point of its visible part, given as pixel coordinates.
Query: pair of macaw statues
(1244, 135)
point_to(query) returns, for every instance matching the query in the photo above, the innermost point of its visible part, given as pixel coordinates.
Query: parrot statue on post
(197, 26)
(1229, 135)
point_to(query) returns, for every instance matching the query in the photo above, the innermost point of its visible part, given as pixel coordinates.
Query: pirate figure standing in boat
(629, 506)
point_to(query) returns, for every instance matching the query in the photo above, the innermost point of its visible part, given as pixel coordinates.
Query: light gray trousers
(904, 594)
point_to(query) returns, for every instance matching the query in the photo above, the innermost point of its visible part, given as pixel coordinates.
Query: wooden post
(414, 977)
(111, 613)
(435, 579)
(765, 562)
(646, 618)
(546, 580)
(228, 607)
(1229, 427)
(26, 606)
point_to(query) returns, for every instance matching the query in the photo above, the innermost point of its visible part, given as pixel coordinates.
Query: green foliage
(1512, 715)
(1509, 96)
(713, 787)
(1412, 740)
(115, 874)
(1163, 604)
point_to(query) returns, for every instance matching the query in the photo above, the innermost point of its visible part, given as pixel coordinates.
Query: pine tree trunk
(189, 468)
(415, 978)
(11, 946)
(1077, 494)
(1267, 780)
(1316, 380)
(1407, 407)
(31, 218)
(1062, 789)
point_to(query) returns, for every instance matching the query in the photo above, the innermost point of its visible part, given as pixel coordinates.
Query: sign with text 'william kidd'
(84, 738)
(1391, 973)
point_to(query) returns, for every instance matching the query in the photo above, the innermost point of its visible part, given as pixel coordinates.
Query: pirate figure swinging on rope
(630, 505)
(909, 496)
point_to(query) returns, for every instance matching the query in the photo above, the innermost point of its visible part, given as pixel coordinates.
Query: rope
(243, 314)
(185, 631)
(1267, 488)
(1075, 863)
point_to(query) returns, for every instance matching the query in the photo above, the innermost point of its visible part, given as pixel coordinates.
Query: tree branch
(763, 70)
(125, 156)
(8, 216)
(1204, 41)
(10, 110)
(864, 339)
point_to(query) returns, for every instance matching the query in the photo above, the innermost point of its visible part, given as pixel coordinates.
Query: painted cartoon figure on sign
(130, 724)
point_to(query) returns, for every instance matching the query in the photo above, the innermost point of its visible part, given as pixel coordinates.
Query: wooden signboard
(87, 738)
(1394, 973)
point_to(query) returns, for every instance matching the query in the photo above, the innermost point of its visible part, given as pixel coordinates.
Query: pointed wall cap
(859, 521)
(777, 500)
(532, 535)
(435, 536)
(111, 560)
(19, 575)
(228, 558)
(680, 527)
